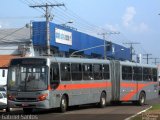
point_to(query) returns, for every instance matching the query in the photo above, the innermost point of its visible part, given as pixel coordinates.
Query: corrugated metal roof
(14, 35)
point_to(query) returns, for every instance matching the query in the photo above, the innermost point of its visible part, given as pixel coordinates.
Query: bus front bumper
(39, 104)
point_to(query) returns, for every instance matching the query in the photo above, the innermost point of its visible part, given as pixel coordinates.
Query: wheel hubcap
(103, 101)
(63, 103)
(142, 99)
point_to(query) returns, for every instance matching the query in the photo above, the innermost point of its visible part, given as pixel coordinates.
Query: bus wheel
(27, 110)
(63, 104)
(102, 102)
(8, 109)
(142, 99)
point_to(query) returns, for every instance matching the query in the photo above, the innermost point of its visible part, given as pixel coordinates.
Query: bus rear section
(133, 82)
(27, 84)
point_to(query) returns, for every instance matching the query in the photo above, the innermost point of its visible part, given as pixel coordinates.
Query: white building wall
(3, 76)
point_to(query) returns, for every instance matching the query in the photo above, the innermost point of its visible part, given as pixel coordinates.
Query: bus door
(54, 84)
(115, 80)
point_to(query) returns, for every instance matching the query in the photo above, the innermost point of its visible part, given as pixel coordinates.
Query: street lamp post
(114, 53)
(69, 22)
(85, 49)
(30, 25)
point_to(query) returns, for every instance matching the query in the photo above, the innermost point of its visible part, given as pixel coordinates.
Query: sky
(136, 20)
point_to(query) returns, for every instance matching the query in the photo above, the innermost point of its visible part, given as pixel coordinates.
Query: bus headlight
(42, 97)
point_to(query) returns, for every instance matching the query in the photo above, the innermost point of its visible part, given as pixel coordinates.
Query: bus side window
(97, 71)
(54, 73)
(147, 74)
(154, 74)
(87, 72)
(65, 72)
(106, 72)
(126, 73)
(137, 73)
(76, 70)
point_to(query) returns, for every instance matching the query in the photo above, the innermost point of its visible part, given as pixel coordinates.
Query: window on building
(106, 72)
(3, 73)
(126, 73)
(65, 72)
(54, 73)
(147, 74)
(137, 73)
(87, 72)
(154, 74)
(97, 71)
(76, 71)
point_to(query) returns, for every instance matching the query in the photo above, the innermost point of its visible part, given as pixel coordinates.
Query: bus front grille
(26, 99)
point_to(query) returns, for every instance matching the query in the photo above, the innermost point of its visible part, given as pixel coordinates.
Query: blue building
(64, 41)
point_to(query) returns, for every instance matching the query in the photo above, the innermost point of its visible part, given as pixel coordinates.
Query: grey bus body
(81, 81)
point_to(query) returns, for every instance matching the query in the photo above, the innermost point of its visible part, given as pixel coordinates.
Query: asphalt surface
(85, 112)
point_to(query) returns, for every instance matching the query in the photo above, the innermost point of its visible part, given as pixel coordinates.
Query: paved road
(88, 112)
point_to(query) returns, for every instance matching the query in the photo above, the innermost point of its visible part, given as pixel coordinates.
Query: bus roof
(79, 60)
(87, 60)
(137, 64)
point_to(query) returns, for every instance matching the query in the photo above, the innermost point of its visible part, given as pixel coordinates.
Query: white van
(3, 100)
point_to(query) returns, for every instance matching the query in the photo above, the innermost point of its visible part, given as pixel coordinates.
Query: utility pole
(131, 48)
(147, 57)
(155, 60)
(104, 38)
(47, 16)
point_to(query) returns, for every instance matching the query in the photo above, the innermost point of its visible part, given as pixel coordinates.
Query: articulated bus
(54, 82)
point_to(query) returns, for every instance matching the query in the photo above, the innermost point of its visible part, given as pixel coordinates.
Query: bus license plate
(24, 105)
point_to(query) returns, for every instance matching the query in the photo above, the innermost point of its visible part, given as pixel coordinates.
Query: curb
(138, 113)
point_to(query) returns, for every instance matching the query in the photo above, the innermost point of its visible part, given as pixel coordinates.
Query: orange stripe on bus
(126, 85)
(49, 87)
(140, 86)
(83, 86)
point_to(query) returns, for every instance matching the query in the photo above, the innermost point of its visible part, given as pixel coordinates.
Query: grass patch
(155, 107)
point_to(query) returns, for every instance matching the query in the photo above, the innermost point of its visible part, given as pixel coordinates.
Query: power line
(147, 57)
(155, 60)
(11, 33)
(48, 18)
(104, 38)
(131, 47)
(69, 14)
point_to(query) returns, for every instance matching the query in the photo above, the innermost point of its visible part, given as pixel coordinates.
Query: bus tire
(63, 104)
(8, 109)
(27, 110)
(142, 99)
(102, 102)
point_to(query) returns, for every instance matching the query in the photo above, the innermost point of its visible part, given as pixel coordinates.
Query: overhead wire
(79, 22)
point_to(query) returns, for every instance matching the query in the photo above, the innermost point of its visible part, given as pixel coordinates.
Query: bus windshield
(27, 78)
